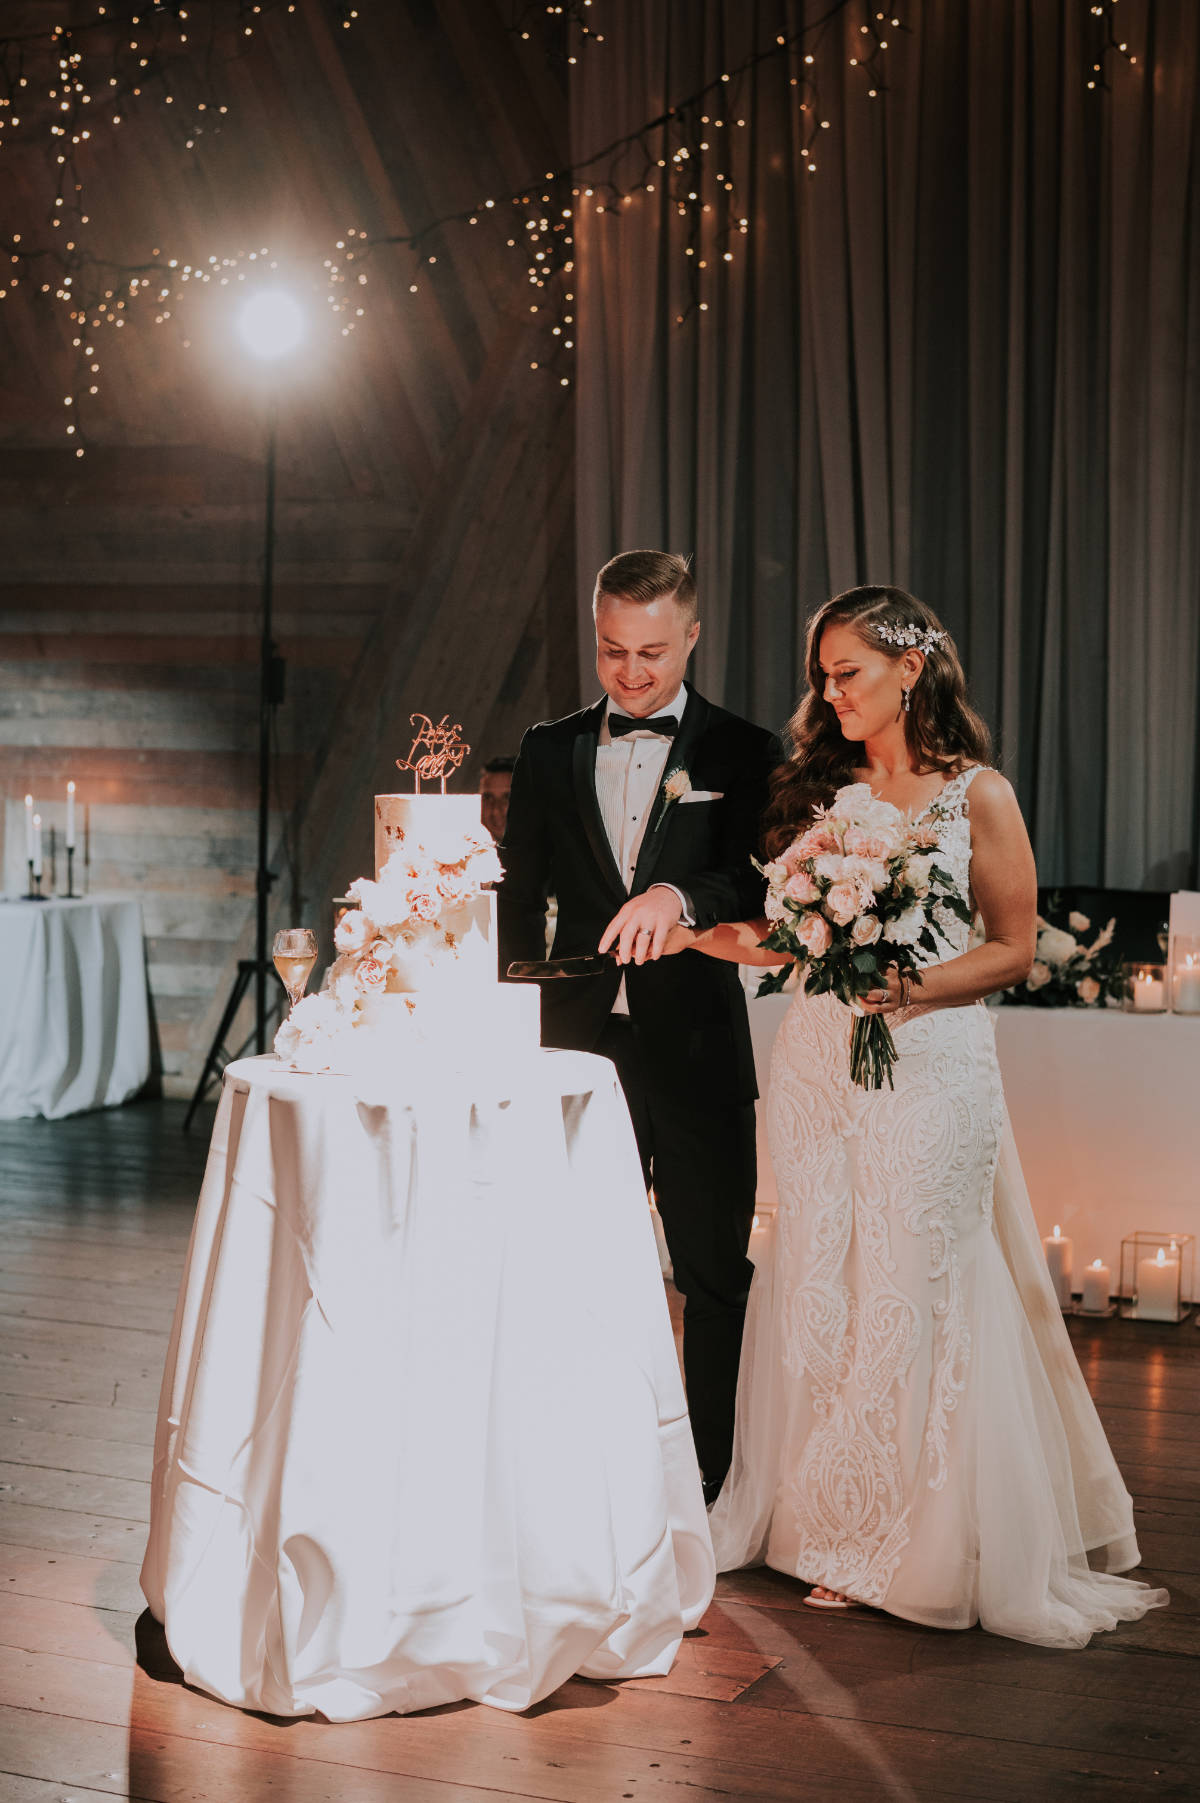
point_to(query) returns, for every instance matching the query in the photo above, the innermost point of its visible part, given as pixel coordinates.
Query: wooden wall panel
(425, 527)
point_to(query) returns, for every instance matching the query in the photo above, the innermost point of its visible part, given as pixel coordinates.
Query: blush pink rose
(861, 844)
(801, 888)
(842, 903)
(814, 934)
(816, 840)
(370, 973)
(924, 837)
(423, 904)
(1088, 990)
(865, 930)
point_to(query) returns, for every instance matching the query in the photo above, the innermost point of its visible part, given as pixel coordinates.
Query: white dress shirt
(629, 771)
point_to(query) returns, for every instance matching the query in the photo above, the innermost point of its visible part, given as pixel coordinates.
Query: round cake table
(75, 1030)
(422, 1434)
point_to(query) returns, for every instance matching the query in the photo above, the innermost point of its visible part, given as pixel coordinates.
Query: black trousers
(700, 1158)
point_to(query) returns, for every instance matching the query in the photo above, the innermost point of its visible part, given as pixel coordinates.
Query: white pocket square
(702, 795)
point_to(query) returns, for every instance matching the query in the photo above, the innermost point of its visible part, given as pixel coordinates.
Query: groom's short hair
(648, 576)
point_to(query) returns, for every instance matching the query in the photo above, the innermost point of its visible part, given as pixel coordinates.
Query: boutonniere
(678, 783)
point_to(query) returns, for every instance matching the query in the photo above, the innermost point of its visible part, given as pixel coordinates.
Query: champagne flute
(295, 952)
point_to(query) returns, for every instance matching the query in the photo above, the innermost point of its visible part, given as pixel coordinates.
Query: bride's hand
(900, 993)
(679, 939)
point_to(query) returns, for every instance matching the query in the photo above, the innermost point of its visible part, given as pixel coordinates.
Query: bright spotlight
(271, 323)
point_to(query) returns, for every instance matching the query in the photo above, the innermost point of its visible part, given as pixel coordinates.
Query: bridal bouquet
(857, 892)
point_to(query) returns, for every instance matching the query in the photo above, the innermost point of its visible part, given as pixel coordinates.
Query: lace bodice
(949, 814)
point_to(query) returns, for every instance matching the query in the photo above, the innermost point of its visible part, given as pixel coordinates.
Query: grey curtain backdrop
(962, 356)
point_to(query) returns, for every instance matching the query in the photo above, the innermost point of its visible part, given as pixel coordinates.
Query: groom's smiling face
(642, 649)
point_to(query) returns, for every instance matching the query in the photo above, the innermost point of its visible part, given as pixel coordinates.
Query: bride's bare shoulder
(992, 800)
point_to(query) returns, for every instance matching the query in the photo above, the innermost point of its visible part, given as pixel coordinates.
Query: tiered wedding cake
(416, 971)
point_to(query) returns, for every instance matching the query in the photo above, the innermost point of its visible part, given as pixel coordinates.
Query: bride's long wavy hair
(943, 730)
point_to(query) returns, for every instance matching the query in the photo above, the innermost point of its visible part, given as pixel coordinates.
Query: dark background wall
(425, 527)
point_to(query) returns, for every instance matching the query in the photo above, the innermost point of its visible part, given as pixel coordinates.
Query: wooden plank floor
(768, 1700)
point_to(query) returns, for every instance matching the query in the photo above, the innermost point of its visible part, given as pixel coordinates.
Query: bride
(913, 1431)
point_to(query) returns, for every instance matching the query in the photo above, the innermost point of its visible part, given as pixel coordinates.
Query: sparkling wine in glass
(295, 953)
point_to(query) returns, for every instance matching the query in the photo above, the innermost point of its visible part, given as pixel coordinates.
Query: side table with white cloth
(75, 1024)
(422, 1434)
(1103, 1111)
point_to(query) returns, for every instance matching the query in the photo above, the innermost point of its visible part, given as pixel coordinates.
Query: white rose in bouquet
(907, 928)
(1038, 976)
(918, 872)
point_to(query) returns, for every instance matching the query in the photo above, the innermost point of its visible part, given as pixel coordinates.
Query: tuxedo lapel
(680, 756)
(583, 765)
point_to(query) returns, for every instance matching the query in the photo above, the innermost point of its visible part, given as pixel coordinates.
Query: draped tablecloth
(422, 1434)
(75, 1023)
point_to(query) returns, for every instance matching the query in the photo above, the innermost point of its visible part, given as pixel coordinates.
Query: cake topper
(436, 751)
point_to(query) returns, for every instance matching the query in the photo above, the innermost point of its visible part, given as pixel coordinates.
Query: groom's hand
(639, 931)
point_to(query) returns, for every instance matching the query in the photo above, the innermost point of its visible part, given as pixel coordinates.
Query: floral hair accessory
(910, 638)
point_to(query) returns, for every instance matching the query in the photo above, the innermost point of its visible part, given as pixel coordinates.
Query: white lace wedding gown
(912, 1425)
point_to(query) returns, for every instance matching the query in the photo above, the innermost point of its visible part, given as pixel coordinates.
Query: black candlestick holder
(35, 886)
(71, 895)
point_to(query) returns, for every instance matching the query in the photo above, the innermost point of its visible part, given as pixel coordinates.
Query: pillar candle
(1148, 995)
(70, 816)
(1158, 1288)
(29, 829)
(37, 845)
(1187, 985)
(1097, 1287)
(1058, 1260)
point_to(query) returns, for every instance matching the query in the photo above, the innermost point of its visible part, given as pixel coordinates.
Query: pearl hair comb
(910, 638)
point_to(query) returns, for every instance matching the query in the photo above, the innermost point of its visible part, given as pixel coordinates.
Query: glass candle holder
(1185, 973)
(1147, 989)
(1156, 1274)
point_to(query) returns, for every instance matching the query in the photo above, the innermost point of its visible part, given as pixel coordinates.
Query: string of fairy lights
(66, 83)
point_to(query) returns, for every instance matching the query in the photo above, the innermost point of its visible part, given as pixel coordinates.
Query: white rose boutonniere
(678, 784)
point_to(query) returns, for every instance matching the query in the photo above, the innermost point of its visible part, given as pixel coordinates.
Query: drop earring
(908, 701)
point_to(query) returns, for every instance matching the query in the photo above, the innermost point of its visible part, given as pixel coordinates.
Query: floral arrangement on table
(860, 890)
(398, 922)
(1067, 973)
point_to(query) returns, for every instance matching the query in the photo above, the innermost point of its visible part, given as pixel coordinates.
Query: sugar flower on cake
(313, 1033)
(370, 974)
(353, 931)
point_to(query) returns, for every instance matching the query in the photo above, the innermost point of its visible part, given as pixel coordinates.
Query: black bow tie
(664, 724)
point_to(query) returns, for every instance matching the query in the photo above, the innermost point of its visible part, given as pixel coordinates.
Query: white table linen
(75, 1024)
(1103, 1111)
(422, 1434)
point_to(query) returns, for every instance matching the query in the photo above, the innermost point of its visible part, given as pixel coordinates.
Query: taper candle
(70, 816)
(37, 845)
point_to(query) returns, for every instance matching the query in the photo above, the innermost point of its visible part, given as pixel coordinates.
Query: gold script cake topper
(435, 752)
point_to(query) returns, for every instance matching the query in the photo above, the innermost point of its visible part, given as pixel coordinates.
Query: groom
(637, 813)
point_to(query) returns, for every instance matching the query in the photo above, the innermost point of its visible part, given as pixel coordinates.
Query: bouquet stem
(872, 1052)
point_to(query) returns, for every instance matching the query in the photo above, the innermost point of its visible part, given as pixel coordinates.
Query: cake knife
(538, 971)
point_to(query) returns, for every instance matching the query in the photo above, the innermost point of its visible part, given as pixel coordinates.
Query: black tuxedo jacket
(690, 1010)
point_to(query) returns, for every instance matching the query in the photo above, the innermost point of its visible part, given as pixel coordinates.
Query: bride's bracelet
(905, 989)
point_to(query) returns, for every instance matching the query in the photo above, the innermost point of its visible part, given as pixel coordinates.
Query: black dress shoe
(711, 1487)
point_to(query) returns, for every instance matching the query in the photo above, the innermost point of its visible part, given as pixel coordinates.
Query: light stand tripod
(271, 673)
